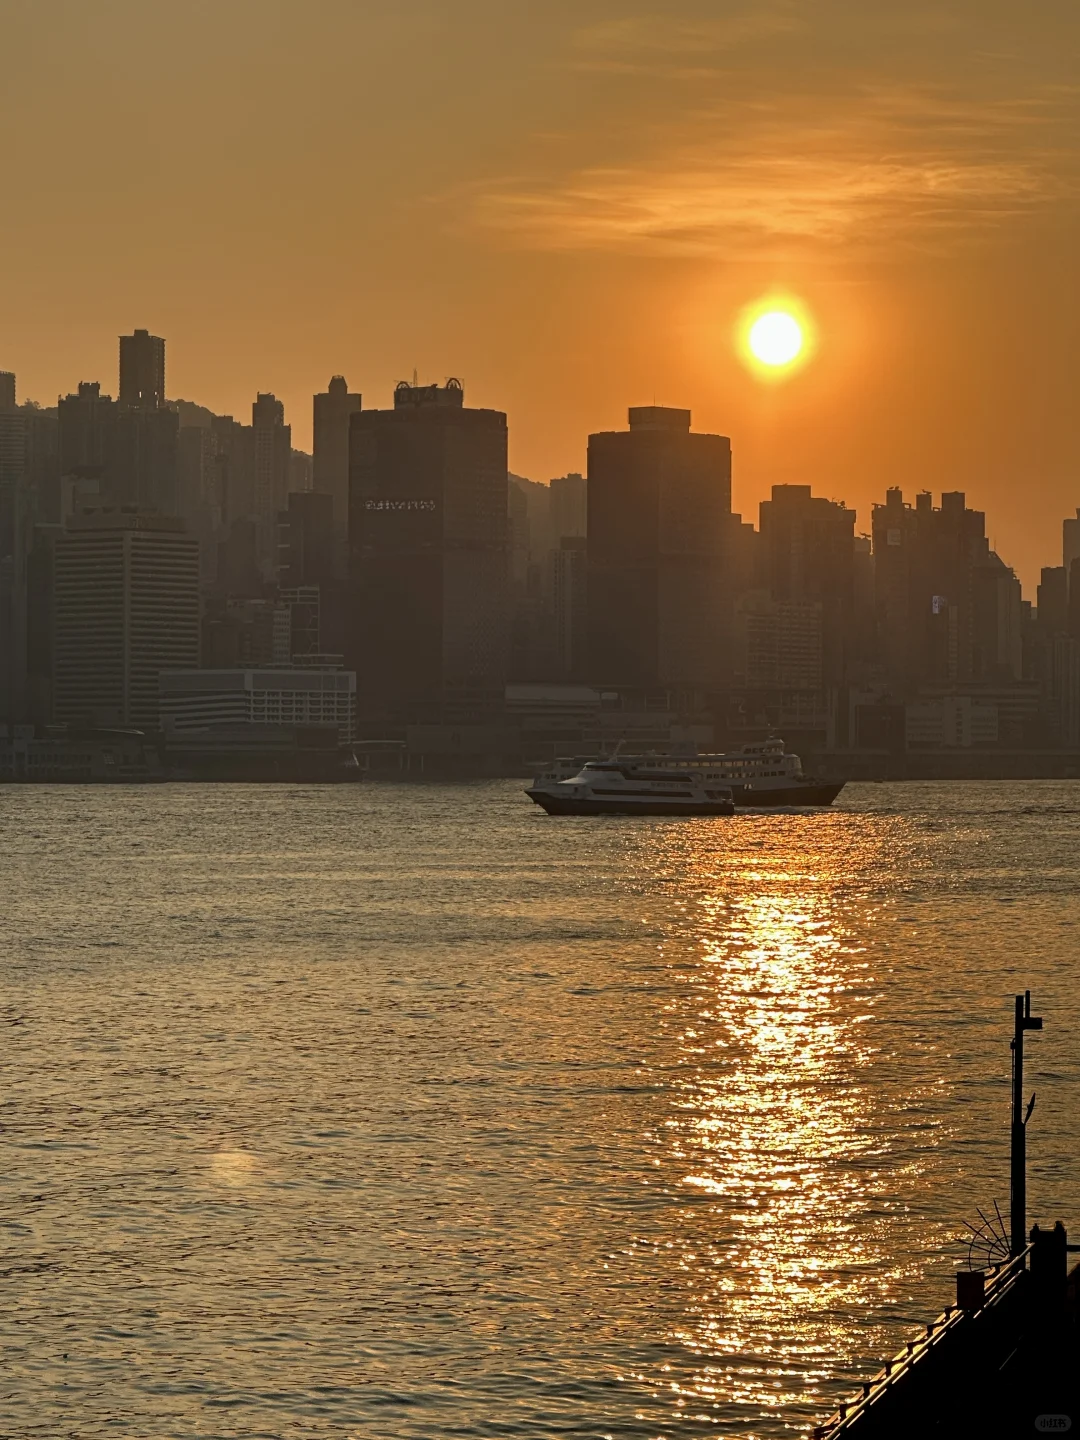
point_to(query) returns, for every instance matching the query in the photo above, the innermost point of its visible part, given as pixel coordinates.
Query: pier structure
(1004, 1359)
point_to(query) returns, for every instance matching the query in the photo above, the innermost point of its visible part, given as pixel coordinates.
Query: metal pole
(1024, 1020)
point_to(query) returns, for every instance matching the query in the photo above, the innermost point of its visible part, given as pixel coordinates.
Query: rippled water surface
(408, 1111)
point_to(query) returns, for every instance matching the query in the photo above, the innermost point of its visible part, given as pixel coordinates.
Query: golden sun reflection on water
(773, 1134)
(234, 1168)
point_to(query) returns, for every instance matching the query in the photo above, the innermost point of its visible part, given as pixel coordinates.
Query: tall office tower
(39, 622)
(569, 594)
(306, 540)
(569, 506)
(125, 608)
(808, 553)
(7, 390)
(332, 412)
(142, 370)
(659, 508)
(428, 557)
(272, 441)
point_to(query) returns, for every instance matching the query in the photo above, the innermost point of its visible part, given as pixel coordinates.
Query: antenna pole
(1024, 1020)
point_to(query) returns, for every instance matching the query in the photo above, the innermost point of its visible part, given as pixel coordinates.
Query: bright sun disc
(776, 338)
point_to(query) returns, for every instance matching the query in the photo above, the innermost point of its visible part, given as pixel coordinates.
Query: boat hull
(815, 794)
(584, 805)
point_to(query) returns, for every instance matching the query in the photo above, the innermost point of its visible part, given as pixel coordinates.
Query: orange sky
(568, 205)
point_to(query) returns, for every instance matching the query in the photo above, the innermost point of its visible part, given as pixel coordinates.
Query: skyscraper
(332, 413)
(14, 530)
(808, 554)
(86, 421)
(569, 506)
(142, 370)
(234, 460)
(659, 506)
(569, 598)
(949, 608)
(142, 465)
(428, 557)
(272, 444)
(305, 552)
(125, 607)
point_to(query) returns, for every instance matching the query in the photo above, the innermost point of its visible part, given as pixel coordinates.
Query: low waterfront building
(59, 754)
(193, 700)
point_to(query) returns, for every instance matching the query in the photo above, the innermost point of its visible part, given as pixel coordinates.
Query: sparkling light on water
(407, 1111)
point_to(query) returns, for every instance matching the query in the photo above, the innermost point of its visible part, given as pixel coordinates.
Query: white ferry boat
(631, 787)
(759, 774)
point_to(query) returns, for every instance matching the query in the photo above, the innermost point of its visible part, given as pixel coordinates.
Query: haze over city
(569, 206)
(539, 719)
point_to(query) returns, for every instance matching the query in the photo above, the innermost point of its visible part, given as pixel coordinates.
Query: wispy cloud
(653, 42)
(886, 163)
(736, 124)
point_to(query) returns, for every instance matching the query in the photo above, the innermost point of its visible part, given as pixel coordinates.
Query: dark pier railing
(908, 1383)
(1005, 1359)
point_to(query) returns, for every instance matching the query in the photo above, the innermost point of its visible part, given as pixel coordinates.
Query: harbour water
(408, 1111)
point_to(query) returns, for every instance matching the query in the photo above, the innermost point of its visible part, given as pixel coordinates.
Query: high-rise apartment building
(125, 608)
(142, 370)
(428, 557)
(15, 521)
(569, 506)
(29, 498)
(86, 421)
(143, 461)
(126, 450)
(1053, 600)
(1070, 560)
(777, 644)
(659, 507)
(234, 461)
(332, 412)
(949, 608)
(808, 558)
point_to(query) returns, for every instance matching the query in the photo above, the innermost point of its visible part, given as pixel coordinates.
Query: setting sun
(776, 335)
(776, 338)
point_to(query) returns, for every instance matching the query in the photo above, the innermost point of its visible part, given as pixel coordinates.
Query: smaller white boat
(626, 787)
